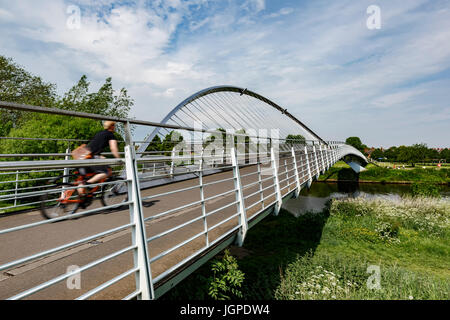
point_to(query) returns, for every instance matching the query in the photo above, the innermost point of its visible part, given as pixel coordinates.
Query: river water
(316, 197)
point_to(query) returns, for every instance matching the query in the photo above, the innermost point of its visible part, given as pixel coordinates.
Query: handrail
(222, 210)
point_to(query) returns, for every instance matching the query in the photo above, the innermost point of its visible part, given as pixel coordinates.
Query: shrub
(227, 279)
(425, 189)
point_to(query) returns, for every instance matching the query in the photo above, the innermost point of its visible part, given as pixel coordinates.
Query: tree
(19, 86)
(445, 154)
(391, 154)
(155, 144)
(171, 140)
(49, 126)
(291, 138)
(413, 154)
(377, 154)
(356, 143)
(433, 154)
(420, 151)
(104, 101)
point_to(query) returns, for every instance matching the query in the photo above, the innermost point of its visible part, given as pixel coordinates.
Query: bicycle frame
(66, 195)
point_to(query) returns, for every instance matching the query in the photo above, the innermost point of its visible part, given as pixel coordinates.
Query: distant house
(368, 151)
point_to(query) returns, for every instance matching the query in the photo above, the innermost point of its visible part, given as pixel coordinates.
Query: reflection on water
(314, 199)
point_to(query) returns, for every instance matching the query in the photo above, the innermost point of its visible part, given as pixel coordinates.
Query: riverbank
(341, 172)
(334, 253)
(376, 249)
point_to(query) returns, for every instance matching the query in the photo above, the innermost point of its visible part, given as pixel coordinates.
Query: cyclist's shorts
(95, 169)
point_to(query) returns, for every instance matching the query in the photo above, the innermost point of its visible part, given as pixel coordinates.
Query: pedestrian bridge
(216, 165)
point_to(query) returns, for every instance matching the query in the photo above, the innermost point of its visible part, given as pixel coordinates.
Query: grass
(341, 171)
(328, 255)
(408, 241)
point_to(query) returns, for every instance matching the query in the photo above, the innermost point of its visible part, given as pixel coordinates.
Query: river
(316, 197)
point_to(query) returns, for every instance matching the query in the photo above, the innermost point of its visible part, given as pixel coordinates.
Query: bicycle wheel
(60, 202)
(115, 192)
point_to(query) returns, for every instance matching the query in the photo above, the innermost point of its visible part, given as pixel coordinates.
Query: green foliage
(170, 140)
(408, 240)
(413, 154)
(377, 154)
(292, 138)
(227, 279)
(220, 137)
(417, 153)
(155, 144)
(19, 86)
(425, 189)
(104, 101)
(356, 143)
(48, 126)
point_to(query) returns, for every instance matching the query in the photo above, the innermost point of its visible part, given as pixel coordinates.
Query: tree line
(20, 86)
(416, 153)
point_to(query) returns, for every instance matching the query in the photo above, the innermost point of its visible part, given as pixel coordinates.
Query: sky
(338, 66)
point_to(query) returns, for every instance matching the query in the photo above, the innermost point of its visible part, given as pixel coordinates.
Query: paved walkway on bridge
(23, 243)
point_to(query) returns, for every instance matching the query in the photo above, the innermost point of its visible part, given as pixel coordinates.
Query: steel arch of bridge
(209, 100)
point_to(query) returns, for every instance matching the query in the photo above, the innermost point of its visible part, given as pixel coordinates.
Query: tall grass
(408, 239)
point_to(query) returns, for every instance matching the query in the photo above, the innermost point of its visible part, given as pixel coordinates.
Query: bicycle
(66, 200)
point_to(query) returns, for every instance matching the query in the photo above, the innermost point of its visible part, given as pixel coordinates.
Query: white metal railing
(225, 195)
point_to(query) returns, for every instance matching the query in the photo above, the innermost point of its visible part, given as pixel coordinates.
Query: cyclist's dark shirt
(100, 141)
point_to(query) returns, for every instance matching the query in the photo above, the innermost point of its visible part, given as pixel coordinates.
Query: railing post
(17, 186)
(260, 185)
(321, 156)
(309, 168)
(138, 235)
(316, 162)
(202, 198)
(66, 170)
(276, 181)
(336, 156)
(327, 156)
(287, 175)
(171, 163)
(331, 156)
(239, 198)
(297, 177)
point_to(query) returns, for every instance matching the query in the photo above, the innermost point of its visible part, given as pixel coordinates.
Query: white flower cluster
(424, 214)
(385, 232)
(323, 285)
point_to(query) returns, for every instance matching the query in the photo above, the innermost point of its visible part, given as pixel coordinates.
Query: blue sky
(389, 86)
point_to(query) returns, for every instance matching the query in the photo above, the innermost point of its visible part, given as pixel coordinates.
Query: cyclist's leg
(81, 182)
(97, 178)
(102, 172)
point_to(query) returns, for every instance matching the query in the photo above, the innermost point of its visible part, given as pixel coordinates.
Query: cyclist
(99, 142)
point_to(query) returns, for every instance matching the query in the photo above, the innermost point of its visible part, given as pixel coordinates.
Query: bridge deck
(26, 242)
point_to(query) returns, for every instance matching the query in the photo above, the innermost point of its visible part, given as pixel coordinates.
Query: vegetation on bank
(335, 254)
(407, 240)
(341, 171)
(417, 153)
